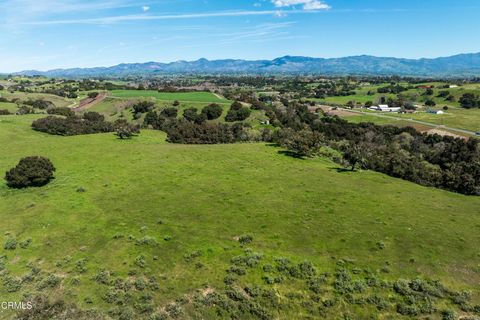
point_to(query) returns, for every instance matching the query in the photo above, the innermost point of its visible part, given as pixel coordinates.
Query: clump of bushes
(143, 107)
(63, 111)
(237, 112)
(90, 123)
(51, 281)
(30, 172)
(212, 111)
(39, 104)
(186, 132)
(192, 115)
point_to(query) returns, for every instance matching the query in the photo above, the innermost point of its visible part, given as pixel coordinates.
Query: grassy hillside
(143, 208)
(180, 96)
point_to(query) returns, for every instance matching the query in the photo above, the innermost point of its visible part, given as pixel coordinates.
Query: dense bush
(206, 133)
(90, 123)
(304, 143)
(192, 115)
(237, 112)
(169, 112)
(4, 112)
(63, 111)
(143, 107)
(30, 172)
(125, 130)
(39, 104)
(212, 111)
(469, 101)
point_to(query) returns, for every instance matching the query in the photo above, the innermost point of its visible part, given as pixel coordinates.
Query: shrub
(81, 266)
(304, 143)
(143, 107)
(238, 115)
(51, 281)
(67, 112)
(4, 112)
(93, 95)
(174, 310)
(125, 130)
(448, 315)
(212, 111)
(10, 244)
(140, 261)
(90, 123)
(30, 172)
(103, 277)
(169, 112)
(25, 110)
(245, 239)
(11, 284)
(26, 243)
(191, 115)
(39, 104)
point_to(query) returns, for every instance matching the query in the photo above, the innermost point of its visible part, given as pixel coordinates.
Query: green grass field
(205, 97)
(455, 117)
(468, 119)
(113, 108)
(58, 101)
(198, 199)
(12, 107)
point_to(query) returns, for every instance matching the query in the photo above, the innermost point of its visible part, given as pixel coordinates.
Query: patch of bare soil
(87, 103)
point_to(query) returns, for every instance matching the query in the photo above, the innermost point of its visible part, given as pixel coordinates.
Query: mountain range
(462, 65)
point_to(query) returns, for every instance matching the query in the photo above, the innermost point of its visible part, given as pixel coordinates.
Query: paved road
(435, 125)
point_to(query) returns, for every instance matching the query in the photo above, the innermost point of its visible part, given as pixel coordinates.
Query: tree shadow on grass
(272, 144)
(341, 170)
(287, 153)
(291, 154)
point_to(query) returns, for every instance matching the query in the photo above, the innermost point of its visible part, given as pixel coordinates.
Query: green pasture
(197, 200)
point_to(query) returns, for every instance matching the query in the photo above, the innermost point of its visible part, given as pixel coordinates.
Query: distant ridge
(462, 65)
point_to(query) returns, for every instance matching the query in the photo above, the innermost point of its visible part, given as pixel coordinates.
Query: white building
(435, 111)
(385, 108)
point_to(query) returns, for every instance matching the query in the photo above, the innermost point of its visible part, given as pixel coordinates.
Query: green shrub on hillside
(30, 172)
(212, 111)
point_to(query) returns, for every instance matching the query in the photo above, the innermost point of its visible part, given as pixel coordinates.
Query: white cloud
(307, 4)
(142, 17)
(145, 8)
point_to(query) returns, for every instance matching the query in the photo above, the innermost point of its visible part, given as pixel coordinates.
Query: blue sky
(47, 34)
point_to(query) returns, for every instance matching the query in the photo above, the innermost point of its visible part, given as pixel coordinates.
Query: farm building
(435, 111)
(385, 108)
